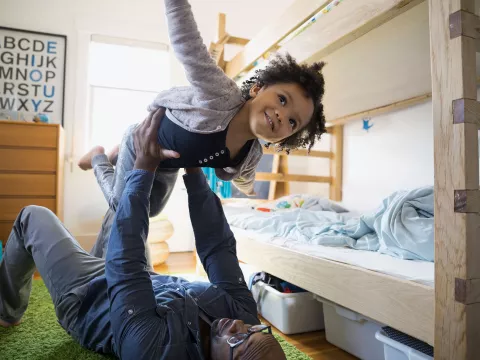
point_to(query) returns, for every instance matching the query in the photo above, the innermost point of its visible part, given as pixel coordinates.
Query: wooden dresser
(31, 170)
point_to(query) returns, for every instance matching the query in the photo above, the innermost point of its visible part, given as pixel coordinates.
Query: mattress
(413, 270)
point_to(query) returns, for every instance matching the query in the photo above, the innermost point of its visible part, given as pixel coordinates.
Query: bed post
(456, 114)
(336, 163)
(279, 166)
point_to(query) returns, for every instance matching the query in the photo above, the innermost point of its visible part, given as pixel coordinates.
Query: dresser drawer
(27, 185)
(5, 229)
(12, 159)
(28, 135)
(9, 208)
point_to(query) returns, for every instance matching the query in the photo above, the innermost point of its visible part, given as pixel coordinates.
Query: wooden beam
(223, 40)
(279, 189)
(380, 110)
(300, 152)
(217, 51)
(299, 12)
(465, 110)
(344, 24)
(336, 164)
(283, 188)
(457, 325)
(221, 59)
(237, 41)
(405, 305)
(217, 48)
(273, 184)
(261, 176)
(221, 26)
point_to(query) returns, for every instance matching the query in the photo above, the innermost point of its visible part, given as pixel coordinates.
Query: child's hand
(148, 151)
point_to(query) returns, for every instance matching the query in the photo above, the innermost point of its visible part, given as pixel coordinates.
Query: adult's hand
(148, 151)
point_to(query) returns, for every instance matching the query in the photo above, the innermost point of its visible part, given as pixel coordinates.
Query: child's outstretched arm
(201, 70)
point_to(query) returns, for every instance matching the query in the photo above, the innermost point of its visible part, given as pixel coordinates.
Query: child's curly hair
(284, 69)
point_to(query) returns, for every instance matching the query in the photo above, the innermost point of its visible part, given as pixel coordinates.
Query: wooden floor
(313, 344)
(178, 263)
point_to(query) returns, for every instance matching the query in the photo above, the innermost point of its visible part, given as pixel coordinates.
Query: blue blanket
(402, 226)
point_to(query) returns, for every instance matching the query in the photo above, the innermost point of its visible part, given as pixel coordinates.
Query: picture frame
(32, 76)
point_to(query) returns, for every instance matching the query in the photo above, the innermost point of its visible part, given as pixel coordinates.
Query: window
(124, 78)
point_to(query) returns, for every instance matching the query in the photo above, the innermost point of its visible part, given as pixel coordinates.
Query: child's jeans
(112, 183)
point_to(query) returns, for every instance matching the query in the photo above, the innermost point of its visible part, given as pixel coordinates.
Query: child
(214, 123)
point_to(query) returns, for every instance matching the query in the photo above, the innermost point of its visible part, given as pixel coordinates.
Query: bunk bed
(446, 315)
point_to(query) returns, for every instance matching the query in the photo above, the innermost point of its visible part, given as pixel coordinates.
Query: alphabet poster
(32, 76)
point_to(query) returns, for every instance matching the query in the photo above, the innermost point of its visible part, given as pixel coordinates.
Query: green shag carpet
(39, 336)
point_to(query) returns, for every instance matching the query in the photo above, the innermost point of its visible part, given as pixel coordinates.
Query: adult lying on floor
(115, 305)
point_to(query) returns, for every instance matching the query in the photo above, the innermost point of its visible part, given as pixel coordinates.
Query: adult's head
(233, 339)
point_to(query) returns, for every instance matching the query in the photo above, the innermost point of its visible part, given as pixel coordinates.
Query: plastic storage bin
(395, 350)
(291, 313)
(352, 332)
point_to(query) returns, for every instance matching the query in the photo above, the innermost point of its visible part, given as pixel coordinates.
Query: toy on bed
(282, 204)
(310, 202)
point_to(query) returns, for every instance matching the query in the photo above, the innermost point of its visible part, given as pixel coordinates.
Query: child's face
(278, 111)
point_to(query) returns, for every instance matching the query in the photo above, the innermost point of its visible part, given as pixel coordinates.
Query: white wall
(396, 153)
(139, 20)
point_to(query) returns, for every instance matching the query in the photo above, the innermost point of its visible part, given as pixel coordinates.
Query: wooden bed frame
(447, 316)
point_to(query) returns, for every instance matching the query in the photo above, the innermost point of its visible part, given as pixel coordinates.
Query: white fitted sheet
(418, 271)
